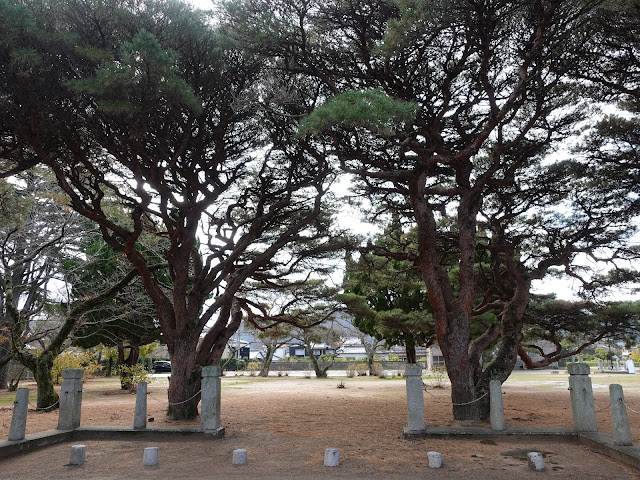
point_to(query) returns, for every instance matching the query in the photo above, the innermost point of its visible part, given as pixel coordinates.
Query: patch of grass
(488, 441)
(7, 398)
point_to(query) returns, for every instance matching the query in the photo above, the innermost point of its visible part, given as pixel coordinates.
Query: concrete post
(617, 364)
(600, 365)
(140, 414)
(150, 456)
(70, 399)
(619, 419)
(435, 459)
(535, 461)
(78, 453)
(582, 406)
(239, 456)
(331, 457)
(210, 401)
(630, 366)
(19, 418)
(415, 399)
(496, 408)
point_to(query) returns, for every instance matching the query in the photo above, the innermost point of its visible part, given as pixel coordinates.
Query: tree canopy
(496, 88)
(148, 105)
(220, 137)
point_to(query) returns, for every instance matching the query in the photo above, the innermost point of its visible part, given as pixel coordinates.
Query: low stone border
(595, 441)
(603, 444)
(37, 441)
(482, 432)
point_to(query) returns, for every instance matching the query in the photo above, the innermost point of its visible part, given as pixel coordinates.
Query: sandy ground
(286, 423)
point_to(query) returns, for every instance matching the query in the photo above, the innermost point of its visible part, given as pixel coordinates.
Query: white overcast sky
(203, 4)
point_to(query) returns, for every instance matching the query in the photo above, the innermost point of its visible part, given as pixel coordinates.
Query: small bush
(134, 375)
(341, 385)
(232, 364)
(378, 371)
(74, 358)
(351, 371)
(438, 376)
(253, 367)
(361, 369)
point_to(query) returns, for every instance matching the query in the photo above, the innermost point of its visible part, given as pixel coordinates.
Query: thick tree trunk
(126, 374)
(320, 372)
(370, 361)
(5, 359)
(185, 381)
(266, 362)
(411, 353)
(41, 367)
(463, 391)
(109, 367)
(4, 373)
(189, 353)
(455, 350)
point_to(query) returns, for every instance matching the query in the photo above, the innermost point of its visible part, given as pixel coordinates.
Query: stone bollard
(150, 456)
(140, 414)
(435, 459)
(19, 418)
(239, 456)
(210, 401)
(496, 408)
(600, 365)
(582, 406)
(70, 399)
(415, 399)
(77, 454)
(630, 366)
(619, 419)
(331, 457)
(535, 461)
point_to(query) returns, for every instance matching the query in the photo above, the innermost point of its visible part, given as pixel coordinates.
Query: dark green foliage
(126, 321)
(143, 81)
(574, 326)
(386, 296)
(370, 109)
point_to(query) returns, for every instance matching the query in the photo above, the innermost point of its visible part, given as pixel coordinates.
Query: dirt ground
(286, 423)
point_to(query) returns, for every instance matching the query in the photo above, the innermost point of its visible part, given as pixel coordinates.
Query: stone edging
(595, 441)
(37, 441)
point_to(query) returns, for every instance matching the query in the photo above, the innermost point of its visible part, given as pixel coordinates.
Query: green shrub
(74, 358)
(233, 364)
(133, 375)
(252, 367)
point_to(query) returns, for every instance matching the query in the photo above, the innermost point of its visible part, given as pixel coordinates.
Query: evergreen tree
(447, 113)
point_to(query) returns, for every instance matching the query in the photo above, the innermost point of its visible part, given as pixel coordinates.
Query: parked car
(161, 366)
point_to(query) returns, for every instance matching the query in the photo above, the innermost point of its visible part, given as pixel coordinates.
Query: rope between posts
(7, 409)
(600, 409)
(454, 404)
(628, 407)
(45, 408)
(472, 401)
(176, 403)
